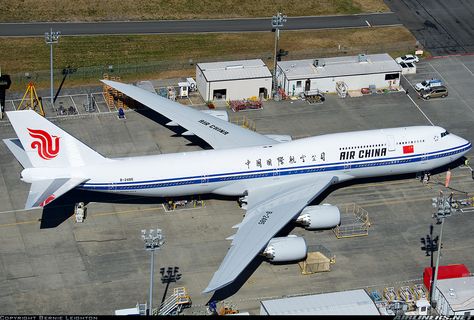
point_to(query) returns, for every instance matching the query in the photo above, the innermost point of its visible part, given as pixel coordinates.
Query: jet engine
(324, 216)
(282, 249)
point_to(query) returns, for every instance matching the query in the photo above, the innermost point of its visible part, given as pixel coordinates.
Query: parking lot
(456, 110)
(100, 265)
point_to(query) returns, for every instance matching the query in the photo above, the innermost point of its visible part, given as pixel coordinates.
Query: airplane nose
(462, 142)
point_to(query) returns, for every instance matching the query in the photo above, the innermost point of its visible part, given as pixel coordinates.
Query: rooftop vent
(362, 57)
(234, 67)
(318, 63)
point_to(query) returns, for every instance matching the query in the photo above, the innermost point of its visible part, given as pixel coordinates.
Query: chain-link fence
(85, 73)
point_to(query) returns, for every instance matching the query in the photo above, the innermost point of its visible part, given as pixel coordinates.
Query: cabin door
(424, 158)
(347, 166)
(276, 172)
(390, 143)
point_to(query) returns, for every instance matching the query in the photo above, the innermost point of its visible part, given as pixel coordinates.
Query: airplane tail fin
(47, 145)
(42, 146)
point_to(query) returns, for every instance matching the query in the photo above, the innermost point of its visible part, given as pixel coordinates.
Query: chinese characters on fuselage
(281, 161)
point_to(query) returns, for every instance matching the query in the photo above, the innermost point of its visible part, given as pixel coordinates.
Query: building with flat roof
(233, 80)
(357, 72)
(455, 296)
(353, 302)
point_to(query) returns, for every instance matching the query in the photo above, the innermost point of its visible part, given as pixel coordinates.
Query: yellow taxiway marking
(408, 182)
(102, 214)
(373, 203)
(18, 223)
(125, 211)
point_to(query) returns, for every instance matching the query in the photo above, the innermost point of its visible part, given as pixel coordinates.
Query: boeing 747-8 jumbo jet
(275, 180)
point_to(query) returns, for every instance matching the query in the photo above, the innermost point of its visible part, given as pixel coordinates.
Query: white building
(233, 80)
(455, 296)
(357, 72)
(353, 302)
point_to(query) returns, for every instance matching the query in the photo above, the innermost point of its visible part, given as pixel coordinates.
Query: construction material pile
(239, 105)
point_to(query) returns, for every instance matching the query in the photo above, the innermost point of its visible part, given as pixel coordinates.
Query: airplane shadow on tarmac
(178, 130)
(63, 208)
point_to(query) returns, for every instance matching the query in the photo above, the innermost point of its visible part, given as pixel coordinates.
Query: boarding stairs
(175, 303)
(419, 292)
(406, 294)
(390, 294)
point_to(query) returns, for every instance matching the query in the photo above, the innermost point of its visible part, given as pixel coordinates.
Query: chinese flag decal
(408, 149)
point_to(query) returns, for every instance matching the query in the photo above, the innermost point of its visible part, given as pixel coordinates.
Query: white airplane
(275, 180)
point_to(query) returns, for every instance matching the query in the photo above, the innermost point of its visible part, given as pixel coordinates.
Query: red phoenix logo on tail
(47, 145)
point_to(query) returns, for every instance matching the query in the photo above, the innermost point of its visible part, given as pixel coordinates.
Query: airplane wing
(218, 133)
(269, 209)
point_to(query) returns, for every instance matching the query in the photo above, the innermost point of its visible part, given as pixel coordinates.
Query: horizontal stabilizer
(18, 151)
(44, 191)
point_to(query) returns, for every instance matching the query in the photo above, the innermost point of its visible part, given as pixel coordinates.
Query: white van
(428, 84)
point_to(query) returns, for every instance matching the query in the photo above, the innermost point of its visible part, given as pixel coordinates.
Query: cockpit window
(444, 134)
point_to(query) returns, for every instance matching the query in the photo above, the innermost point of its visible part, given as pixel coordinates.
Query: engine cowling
(279, 137)
(282, 249)
(324, 216)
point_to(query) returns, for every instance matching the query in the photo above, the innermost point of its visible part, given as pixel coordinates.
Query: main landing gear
(80, 212)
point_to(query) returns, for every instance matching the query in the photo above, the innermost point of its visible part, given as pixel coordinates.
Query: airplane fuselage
(351, 155)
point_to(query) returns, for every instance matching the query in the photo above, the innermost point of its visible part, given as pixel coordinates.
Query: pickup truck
(428, 84)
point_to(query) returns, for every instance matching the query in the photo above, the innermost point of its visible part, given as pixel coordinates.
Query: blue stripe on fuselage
(271, 172)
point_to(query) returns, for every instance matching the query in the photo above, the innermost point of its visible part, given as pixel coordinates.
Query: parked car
(435, 92)
(428, 84)
(408, 58)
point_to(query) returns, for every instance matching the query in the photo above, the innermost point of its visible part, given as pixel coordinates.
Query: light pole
(154, 239)
(430, 245)
(51, 38)
(277, 23)
(435, 280)
(444, 209)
